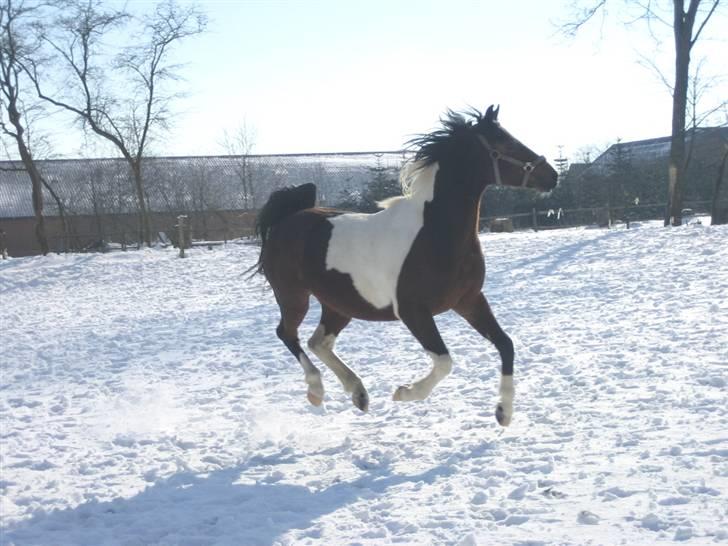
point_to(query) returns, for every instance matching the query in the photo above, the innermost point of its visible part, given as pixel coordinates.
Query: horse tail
(280, 205)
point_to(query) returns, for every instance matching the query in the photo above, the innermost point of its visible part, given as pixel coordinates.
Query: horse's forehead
(507, 135)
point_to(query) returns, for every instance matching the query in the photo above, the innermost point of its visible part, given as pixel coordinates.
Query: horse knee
(320, 341)
(290, 340)
(281, 333)
(316, 339)
(504, 344)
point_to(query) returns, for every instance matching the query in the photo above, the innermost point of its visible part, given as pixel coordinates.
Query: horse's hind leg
(477, 312)
(293, 310)
(423, 327)
(322, 344)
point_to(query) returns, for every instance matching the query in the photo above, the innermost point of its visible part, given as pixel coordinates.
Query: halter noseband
(527, 166)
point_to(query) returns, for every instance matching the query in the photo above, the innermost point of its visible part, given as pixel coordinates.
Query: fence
(198, 231)
(98, 200)
(99, 203)
(601, 216)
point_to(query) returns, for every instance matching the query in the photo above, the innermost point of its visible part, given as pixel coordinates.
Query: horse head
(511, 162)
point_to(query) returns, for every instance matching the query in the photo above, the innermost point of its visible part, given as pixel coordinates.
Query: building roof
(88, 186)
(708, 142)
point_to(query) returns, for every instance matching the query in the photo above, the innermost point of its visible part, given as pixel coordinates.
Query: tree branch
(572, 27)
(705, 21)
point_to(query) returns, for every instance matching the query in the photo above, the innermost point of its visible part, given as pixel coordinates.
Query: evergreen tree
(384, 184)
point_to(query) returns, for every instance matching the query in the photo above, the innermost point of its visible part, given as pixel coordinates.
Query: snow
(145, 399)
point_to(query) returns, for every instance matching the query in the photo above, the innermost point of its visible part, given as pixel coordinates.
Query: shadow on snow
(213, 508)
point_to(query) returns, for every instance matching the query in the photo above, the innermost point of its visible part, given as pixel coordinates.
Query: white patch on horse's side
(371, 248)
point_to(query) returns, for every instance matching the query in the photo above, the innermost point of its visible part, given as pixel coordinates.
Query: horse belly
(341, 296)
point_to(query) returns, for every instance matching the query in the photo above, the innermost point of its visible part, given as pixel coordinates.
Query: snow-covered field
(145, 399)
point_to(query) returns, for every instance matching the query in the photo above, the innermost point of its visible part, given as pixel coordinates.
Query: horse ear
(491, 115)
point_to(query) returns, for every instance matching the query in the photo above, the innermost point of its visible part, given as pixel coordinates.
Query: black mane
(433, 147)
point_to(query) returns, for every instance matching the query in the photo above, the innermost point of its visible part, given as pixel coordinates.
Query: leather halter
(496, 156)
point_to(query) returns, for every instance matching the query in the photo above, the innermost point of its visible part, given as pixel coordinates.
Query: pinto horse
(416, 258)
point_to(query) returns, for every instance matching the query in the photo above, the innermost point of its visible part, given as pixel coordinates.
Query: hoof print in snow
(551, 493)
(515, 519)
(587, 518)
(519, 492)
(683, 533)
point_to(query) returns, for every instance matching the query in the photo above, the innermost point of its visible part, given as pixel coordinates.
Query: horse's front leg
(477, 312)
(423, 327)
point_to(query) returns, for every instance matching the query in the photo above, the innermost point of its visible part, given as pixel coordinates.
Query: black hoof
(501, 417)
(361, 400)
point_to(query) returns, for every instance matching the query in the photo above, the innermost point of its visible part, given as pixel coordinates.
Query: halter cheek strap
(496, 157)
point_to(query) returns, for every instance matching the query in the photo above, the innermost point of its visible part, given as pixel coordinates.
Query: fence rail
(539, 219)
(88, 240)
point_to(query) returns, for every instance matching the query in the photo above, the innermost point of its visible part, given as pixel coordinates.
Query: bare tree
(16, 46)
(122, 101)
(687, 25)
(240, 143)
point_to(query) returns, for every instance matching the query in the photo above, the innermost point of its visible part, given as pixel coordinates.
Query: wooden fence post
(181, 234)
(3, 246)
(534, 217)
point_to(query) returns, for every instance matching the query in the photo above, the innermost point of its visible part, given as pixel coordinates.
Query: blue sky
(320, 76)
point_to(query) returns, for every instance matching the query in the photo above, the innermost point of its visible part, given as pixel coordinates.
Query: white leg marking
(441, 367)
(322, 346)
(504, 411)
(313, 379)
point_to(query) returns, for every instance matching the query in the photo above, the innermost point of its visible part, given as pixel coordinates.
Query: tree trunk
(683, 27)
(143, 212)
(61, 213)
(35, 177)
(716, 216)
(37, 185)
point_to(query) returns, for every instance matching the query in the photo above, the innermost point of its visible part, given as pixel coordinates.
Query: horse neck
(454, 215)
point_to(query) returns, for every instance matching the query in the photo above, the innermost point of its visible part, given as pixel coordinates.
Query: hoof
(314, 398)
(503, 419)
(402, 394)
(361, 400)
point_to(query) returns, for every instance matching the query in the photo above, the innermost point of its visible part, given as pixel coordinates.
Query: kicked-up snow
(145, 399)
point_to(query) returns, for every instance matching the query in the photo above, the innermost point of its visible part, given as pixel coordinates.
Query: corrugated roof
(655, 149)
(86, 186)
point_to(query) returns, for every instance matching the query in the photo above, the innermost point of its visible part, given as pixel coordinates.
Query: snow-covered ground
(145, 399)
